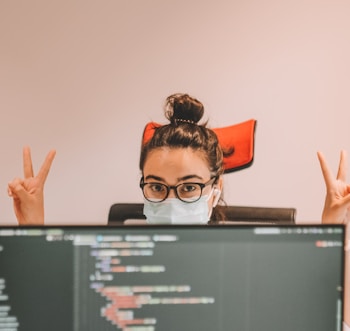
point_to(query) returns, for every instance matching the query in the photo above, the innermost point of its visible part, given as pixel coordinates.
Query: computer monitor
(148, 278)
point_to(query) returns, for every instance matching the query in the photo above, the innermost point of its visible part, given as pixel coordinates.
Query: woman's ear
(217, 191)
(217, 194)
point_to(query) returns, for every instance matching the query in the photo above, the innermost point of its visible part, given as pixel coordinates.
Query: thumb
(17, 190)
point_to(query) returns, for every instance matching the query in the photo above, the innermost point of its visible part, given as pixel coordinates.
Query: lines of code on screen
(171, 278)
(142, 282)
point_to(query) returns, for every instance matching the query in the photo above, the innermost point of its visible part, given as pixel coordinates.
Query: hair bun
(183, 108)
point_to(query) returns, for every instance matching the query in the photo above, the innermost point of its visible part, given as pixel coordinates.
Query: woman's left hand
(337, 202)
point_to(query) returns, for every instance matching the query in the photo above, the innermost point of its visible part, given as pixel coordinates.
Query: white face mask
(175, 211)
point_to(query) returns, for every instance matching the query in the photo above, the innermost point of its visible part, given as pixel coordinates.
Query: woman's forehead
(175, 163)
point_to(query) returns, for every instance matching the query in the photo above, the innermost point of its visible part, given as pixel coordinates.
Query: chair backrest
(260, 214)
(120, 212)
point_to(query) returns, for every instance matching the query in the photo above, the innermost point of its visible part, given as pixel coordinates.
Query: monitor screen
(148, 278)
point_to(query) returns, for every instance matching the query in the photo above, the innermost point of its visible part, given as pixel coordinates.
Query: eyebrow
(160, 179)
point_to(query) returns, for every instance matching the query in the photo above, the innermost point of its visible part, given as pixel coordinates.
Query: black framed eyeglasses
(186, 192)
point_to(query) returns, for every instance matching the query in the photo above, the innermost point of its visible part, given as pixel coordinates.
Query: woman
(182, 152)
(182, 167)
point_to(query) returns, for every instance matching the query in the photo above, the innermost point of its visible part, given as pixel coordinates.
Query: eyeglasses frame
(142, 184)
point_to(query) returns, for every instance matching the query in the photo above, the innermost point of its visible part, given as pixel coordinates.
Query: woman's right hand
(28, 192)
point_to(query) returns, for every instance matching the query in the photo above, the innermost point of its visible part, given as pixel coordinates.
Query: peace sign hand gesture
(28, 193)
(337, 202)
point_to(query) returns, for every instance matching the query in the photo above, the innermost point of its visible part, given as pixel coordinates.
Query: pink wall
(85, 76)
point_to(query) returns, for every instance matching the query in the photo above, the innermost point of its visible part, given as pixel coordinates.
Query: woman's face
(173, 166)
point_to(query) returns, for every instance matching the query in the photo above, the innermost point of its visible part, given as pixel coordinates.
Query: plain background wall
(84, 77)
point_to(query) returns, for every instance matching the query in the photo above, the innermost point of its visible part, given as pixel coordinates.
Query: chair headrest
(239, 137)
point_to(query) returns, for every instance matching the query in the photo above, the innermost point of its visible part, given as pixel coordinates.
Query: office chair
(241, 138)
(120, 212)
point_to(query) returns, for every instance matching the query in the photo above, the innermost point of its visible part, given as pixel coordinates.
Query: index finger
(326, 171)
(27, 163)
(45, 168)
(341, 175)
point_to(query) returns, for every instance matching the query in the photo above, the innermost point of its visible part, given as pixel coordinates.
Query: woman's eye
(157, 187)
(189, 188)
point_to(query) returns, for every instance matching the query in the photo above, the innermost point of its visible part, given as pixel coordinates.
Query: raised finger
(27, 163)
(45, 168)
(326, 171)
(341, 175)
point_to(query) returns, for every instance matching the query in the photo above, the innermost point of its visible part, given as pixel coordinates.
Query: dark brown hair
(184, 131)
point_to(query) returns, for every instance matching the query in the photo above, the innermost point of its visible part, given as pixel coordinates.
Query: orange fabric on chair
(239, 137)
(149, 131)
